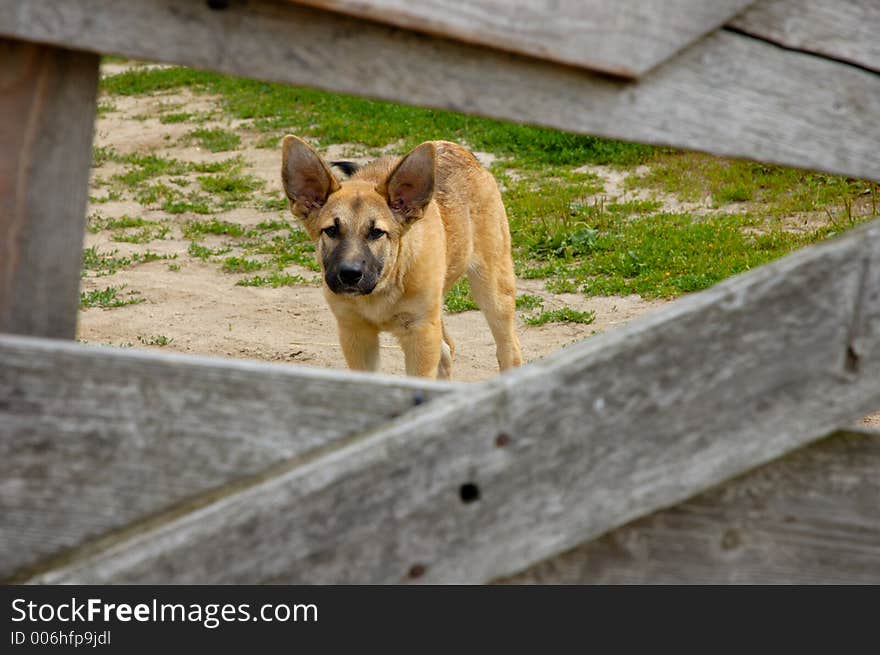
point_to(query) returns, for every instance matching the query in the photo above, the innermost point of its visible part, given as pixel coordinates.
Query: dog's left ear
(410, 187)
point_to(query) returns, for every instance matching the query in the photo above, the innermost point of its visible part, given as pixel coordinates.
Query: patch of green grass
(230, 165)
(459, 298)
(216, 139)
(333, 118)
(272, 226)
(195, 229)
(528, 302)
(634, 207)
(102, 154)
(564, 315)
(144, 235)
(242, 265)
(108, 298)
(156, 340)
(145, 167)
(174, 268)
(107, 263)
(275, 280)
(178, 117)
(273, 205)
(230, 186)
(292, 248)
(779, 189)
(268, 142)
(204, 253)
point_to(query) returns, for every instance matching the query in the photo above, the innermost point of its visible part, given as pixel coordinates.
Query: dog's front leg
(421, 343)
(360, 345)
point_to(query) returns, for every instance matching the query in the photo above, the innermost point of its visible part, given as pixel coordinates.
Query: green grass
(528, 302)
(459, 298)
(564, 315)
(196, 229)
(333, 118)
(274, 280)
(242, 265)
(178, 117)
(216, 139)
(156, 340)
(204, 253)
(230, 186)
(101, 264)
(779, 189)
(145, 167)
(108, 298)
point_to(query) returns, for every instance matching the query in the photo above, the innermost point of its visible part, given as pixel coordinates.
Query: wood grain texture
(94, 438)
(601, 433)
(729, 94)
(847, 30)
(624, 37)
(812, 517)
(47, 111)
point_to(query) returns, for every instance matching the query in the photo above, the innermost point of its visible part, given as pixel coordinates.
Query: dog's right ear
(307, 180)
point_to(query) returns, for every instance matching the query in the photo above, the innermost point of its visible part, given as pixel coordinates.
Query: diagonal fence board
(728, 94)
(47, 112)
(624, 37)
(812, 517)
(94, 438)
(846, 30)
(599, 434)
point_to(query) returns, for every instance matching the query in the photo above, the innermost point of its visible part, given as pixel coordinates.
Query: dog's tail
(349, 168)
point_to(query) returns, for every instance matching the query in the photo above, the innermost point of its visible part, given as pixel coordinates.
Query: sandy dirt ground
(199, 308)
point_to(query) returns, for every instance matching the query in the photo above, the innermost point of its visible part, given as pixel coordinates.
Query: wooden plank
(812, 517)
(625, 37)
(561, 451)
(92, 438)
(729, 94)
(846, 30)
(47, 110)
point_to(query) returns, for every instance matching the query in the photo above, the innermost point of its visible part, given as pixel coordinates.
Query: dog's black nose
(350, 274)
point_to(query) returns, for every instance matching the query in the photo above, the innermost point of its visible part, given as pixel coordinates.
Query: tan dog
(393, 239)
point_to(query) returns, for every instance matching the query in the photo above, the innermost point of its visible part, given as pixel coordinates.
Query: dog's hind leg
(447, 354)
(494, 290)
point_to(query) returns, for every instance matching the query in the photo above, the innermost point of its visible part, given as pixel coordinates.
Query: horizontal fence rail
(95, 438)
(729, 93)
(624, 37)
(539, 460)
(812, 517)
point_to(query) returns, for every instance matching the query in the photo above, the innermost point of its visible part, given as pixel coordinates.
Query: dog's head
(357, 224)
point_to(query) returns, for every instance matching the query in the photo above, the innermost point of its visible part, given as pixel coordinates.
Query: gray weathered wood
(847, 30)
(601, 433)
(624, 37)
(812, 517)
(94, 438)
(729, 94)
(47, 110)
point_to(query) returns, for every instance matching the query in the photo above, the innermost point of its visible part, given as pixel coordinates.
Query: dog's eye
(375, 233)
(331, 231)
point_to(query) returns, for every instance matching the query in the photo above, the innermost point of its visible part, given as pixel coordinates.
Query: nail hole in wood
(469, 493)
(502, 440)
(416, 571)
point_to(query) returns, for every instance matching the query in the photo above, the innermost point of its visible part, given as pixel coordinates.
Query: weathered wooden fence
(688, 446)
